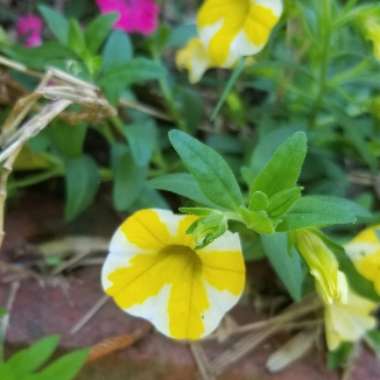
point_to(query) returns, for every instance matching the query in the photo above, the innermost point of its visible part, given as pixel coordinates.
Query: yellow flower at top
(233, 29)
(364, 251)
(348, 321)
(227, 31)
(154, 271)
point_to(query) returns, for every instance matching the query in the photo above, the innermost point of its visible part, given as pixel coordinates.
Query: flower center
(182, 252)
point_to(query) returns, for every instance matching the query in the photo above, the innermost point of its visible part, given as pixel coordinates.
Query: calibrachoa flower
(154, 271)
(135, 16)
(233, 29)
(228, 30)
(348, 321)
(364, 251)
(29, 29)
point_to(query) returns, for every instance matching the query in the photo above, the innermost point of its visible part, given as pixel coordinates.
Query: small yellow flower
(153, 271)
(228, 30)
(348, 321)
(364, 251)
(232, 29)
(193, 57)
(323, 265)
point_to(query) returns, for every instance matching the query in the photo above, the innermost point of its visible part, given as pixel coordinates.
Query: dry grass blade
(34, 126)
(90, 314)
(294, 349)
(205, 370)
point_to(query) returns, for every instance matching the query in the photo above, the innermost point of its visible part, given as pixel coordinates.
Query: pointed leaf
(283, 170)
(287, 264)
(32, 358)
(215, 178)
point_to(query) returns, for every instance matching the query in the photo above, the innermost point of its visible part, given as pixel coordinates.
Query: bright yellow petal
(232, 29)
(369, 267)
(146, 230)
(188, 302)
(364, 250)
(224, 270)
(259, 24)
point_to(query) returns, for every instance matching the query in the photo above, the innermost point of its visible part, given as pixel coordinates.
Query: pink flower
(135, 16)
(29, 29)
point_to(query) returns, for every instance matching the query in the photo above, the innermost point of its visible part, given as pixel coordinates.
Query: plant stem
(325, 27)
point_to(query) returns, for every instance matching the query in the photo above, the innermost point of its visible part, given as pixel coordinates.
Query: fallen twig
(117, 343)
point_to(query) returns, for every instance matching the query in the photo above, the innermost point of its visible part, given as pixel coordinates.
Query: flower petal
(364, 251)
(348, 322)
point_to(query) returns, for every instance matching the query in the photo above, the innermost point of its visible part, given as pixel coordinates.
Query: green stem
(35, 179)
(325, 25)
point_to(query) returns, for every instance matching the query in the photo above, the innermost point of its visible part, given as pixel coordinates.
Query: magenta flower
(135, 16)
(29, 29)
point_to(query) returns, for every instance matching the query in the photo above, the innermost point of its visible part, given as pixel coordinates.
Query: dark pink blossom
(29, 29)
(135, 16)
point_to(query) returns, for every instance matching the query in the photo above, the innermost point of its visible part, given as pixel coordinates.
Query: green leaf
(319, 211)
(32, 358)
(258, 201)
(82, 183)
(182, 184)
(118, 50)
(142, 137)
(266, 146)
(6, 373)
(137, 70)
(373, 340)
(98, 29)
(283, 170)
(340, 357)
(76, 40)
(68, 140)
(50, 53)
(150, 198)
(286, 262)
(283, 201)
(257, 221)
(129, 178)
(65, 368)
(56, 22)
(215, 178)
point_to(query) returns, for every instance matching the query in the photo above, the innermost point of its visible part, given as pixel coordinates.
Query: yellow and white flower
(153, 271)
(227, 31)
(348, 321)
(233, 29)
(364, 251)
(324, 267)
(194, 58)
